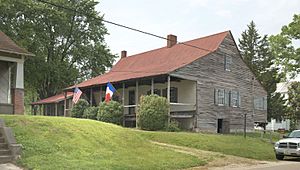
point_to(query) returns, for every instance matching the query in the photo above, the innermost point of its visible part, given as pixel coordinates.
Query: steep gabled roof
(159, 61)
(53, 99)
(9, 46)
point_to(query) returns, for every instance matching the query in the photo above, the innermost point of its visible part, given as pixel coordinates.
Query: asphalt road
(287, 164)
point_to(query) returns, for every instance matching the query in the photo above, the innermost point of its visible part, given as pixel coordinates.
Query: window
(220, 97)
(260, 103)
(227, 63)
(163, 93)
(235, 98)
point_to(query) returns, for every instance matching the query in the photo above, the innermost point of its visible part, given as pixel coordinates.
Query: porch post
(136, 100)
(100, 95)
(55, 109)
(65, 104)
(152, 86)
(168, 97)
(123, 102)
(91, 96)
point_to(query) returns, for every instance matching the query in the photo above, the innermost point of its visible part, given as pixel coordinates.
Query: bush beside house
(153, 113)
(111, 112)
(79, 108)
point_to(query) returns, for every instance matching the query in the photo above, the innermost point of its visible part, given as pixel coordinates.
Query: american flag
(76, 95)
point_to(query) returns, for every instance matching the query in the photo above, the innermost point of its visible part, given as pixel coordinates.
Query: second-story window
(227, 63)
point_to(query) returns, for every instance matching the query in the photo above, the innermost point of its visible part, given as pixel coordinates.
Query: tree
(256, 53)
(69, 46)
(286, 55)
(294, 103)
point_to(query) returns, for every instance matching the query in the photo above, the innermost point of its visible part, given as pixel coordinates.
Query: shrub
(90, 113)
(111, 112)
(173, 126)
(79, 107)
(153, 112)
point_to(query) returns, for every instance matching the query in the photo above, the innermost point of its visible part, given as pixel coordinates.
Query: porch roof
(9, 46)
(159, 61)
(53, 99)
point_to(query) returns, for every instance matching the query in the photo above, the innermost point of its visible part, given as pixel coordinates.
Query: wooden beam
(136, 100)
(56, 109)
(168, 96)
(65, 104)
(123, 102)
(100, 95)
(152, 86)
(91, 96)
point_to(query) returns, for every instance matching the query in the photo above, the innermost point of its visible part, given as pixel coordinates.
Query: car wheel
(279, 157)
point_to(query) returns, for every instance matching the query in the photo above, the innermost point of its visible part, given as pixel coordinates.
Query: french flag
(109, 92)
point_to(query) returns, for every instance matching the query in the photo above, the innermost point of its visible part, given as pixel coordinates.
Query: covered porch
(180, 92)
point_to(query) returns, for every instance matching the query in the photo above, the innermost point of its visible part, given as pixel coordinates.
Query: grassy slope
(66, 143)
(250, 147)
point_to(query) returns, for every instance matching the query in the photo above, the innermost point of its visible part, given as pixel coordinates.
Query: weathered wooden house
(52, 106)
(11, 76)
(208, 85)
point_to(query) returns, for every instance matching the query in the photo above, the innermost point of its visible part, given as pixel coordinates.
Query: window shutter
(265, 103)
(239, 99)
(226, 97)
(229, 98)
(216, 96)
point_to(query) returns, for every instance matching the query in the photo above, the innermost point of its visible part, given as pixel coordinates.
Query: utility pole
(245, 124)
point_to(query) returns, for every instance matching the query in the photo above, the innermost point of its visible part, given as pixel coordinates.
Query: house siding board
(210, 74)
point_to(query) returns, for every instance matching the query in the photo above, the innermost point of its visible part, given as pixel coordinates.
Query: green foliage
(294, 103)
(173, 126)
(69, 46)
(50, 143)
(111, 112)
(256, 53)
(153, 112)
(79, 108)
(286, 54)
(90, 113)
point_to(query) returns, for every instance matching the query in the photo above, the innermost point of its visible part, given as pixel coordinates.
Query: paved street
(287, 164)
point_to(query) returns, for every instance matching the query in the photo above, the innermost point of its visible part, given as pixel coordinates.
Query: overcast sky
(189, 19)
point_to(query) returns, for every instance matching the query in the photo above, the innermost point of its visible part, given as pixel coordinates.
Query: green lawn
(67, 143)
(251, 147)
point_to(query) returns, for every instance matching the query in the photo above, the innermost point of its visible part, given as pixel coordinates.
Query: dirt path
(215, 160)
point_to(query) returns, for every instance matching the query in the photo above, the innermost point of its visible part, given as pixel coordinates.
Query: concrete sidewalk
(9, 166)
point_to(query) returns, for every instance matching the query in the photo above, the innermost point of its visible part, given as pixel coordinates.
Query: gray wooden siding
(210, 74)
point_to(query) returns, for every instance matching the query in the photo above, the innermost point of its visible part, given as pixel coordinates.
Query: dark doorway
(220, 126)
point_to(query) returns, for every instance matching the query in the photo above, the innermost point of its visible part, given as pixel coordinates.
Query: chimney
(123, 54)
(171, 40)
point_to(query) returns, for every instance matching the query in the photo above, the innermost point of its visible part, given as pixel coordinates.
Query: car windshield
(294, 134)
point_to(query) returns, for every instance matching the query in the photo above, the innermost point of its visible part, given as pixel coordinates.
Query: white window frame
(221, 97)
(227, 63)
(234, 98)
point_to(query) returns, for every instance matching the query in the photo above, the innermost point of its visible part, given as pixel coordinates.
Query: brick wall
(18, 100)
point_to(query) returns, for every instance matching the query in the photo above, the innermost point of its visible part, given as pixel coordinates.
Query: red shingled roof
(53, 99)
(9, 46)
(159, 61)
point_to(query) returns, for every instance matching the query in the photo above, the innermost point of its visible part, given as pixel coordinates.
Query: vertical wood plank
(168, 97)
(152, 86)
(65, 104)
(136, 100)
(91, 96)
(123, 102)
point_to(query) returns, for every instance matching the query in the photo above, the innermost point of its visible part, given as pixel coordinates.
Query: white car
(290, 146)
